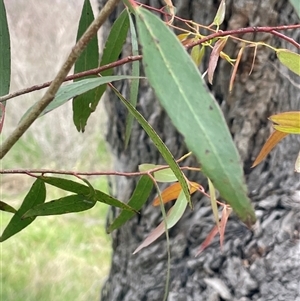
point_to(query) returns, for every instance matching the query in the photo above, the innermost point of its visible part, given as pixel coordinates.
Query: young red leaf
(208, 239)
(2, 115)
(214, 57)
(275, 138)
(225, 214)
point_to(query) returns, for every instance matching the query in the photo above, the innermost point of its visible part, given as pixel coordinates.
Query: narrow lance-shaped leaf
(213, 201)
(84, 190)
(162, 148)
(193, 111)
(7, 208)
(67, 92)
(172, 192)
(289, 59)
(272, 141)
(137, 200)
(214, 58)
(89, 59)
(220, 15)
(173, 216)
(164, 175)
(5, 59)
(67, 204)
(35, 196)
(296, 5)
(134, 84)
(287, 122)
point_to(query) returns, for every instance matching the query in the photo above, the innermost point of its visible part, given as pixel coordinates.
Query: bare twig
(50, 93)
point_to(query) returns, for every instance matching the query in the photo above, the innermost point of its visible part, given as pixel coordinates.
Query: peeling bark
(261, 265)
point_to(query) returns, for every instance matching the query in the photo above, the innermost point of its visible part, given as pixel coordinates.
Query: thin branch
(286, 38)
(73, 76)
(50, 93)
(90, 173)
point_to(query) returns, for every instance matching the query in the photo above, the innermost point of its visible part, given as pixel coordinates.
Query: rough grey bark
(263, 264)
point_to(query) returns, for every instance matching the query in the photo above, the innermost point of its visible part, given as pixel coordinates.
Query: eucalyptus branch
(94, 71)
(54, 86)
(90, 173)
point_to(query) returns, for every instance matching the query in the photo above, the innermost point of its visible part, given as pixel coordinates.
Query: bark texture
(261, 265)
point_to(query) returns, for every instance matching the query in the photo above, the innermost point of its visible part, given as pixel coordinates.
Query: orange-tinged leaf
(289, 59)
(208, 240)
(183, 36)
(234, 71)
(225, 214)
(214, 57)
(275, 138)
(172, 192)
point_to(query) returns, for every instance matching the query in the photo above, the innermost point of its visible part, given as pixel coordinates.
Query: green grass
(64, 257)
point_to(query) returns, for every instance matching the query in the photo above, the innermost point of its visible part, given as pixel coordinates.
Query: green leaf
(137, 200)
(84, 190)
(193, 111)
(289, 59)
(220, 15)
(4, 52)
(85, 104)
(35, 196)
(68, 204)
(296, 5)
(213, 201)
(66, 92)
(134, 85)
(162, 148)
(7, 208)
(165, 175)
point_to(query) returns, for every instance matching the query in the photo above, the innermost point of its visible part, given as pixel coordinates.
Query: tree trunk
(263, 264)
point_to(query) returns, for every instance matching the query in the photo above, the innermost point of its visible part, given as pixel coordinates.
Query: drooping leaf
(235, 68)
(173, 216)
(225, 215)
(172, 192)
(85, 104)
(67, 204)
(7, 208)
(213, 201)
(84, 190)
(35, 196)
(137, 200)
(275, 138)
(220, 15)
(5, 59)
(165, 175)
(193, 111)
(289, 59)
(165, 152)
(208, 240)
(197, 54)
(134, 84)
(67, 92)
(287, 122)
(214, 58)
